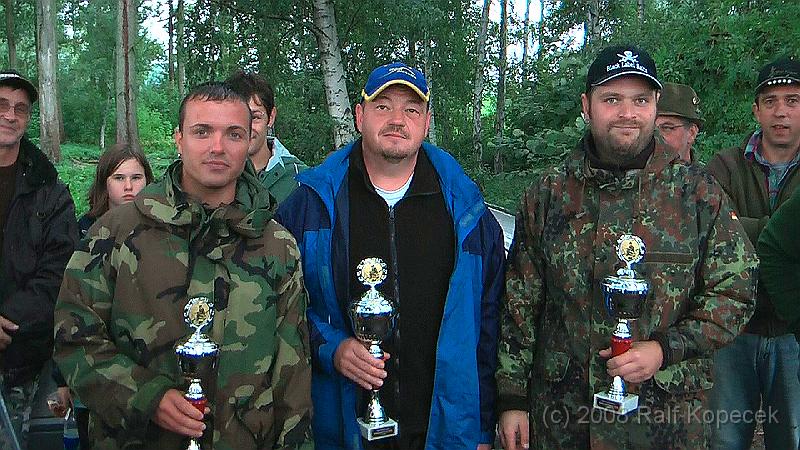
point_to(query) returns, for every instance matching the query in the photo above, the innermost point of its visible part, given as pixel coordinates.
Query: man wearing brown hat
(37, 235)
(758, 370)
(679, 119)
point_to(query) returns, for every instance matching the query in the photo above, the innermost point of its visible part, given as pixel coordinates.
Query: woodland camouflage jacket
(701, 270)
(120, 313)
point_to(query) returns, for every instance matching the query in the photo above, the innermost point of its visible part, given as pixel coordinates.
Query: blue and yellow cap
(395, 73)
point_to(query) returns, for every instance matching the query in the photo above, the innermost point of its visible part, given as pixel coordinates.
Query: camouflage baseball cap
(680, 100)
(781, 71)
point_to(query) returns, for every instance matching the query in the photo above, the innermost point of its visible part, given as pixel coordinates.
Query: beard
(617, 148)
(396, 154)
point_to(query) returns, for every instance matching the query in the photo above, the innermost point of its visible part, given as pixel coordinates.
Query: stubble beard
(617, 152)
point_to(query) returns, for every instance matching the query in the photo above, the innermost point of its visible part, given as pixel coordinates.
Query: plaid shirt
(776, 173)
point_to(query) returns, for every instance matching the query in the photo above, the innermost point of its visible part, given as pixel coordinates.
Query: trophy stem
(375, 412)
(193, 444)
(375, 350)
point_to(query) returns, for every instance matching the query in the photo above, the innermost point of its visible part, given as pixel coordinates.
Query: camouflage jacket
(120, 313)
(700, 267)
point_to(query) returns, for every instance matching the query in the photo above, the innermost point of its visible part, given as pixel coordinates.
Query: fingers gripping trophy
(624, 295)
(373, 318)
(197, 354)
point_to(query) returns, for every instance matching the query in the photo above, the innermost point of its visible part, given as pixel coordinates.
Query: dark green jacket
(120, 313)
(279, 179)
(745, 182)
(779, 250)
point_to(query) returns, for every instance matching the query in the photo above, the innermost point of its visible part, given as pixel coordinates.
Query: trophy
(624, 295)
(373, 319)
(197, 354)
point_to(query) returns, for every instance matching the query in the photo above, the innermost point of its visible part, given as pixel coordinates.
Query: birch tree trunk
(333, 73)
(47, 59)
(592, 25)
(501, 84)
(127, 17)
(180, 13)
(11, 39)
(429, 78)
(477, 95)
(526, 39)
(171, 44)
(640, 10)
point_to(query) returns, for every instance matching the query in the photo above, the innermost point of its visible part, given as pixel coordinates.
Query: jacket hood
(166, 202)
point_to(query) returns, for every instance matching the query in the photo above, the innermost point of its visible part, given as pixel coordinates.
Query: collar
(753, 152)
(424, 181)
(278, 153)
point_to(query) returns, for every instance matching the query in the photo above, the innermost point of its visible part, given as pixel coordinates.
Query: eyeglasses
(21, 110)
(667, 128)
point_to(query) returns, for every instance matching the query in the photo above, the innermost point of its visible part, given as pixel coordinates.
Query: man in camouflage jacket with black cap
(555, 330)
(205, 230)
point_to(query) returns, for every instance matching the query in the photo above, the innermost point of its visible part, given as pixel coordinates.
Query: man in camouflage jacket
(120, 310)
(555, 331)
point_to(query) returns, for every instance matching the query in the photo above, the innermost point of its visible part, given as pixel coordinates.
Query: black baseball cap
(781, 71)
(10, 77)
(621, 60)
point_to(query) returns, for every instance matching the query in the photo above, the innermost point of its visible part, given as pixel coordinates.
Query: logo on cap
(627, 59)
(403, 70)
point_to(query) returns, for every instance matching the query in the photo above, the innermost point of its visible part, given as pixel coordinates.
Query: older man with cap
(389, 195)
(678, 118)
(621, 197)
(758, 371)
(37, 236)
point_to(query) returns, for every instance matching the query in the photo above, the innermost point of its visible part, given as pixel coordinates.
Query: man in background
(275, 165)
(678, 118)
(759, 368)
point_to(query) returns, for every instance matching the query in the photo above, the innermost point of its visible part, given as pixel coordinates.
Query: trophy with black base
(624, 295)
(373, 319)
(197, 354)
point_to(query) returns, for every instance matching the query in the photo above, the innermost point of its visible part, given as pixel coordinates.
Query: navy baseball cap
(395, 73)
(622, 60)
(782, 71)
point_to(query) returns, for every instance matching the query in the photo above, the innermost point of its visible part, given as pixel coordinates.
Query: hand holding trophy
(197, 354)
(373, 319)
(624, 295)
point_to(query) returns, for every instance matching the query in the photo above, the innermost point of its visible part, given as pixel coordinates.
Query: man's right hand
(353, 360)
(513, 426)
(176, 414)
(5, 327)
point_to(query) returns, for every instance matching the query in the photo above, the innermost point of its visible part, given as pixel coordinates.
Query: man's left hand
(638, 364)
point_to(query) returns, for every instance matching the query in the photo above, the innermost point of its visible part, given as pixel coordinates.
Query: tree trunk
(526, 38)
(477, 95)
(429, 78)
(104, 123)
(10, 37)
(47, 59)
(171, 44)
(127, 129)
(640, 10)
(181, 48)
(333, 73)
(592, 25)
(501, 85)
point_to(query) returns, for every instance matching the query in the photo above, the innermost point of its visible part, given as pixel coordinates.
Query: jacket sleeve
(521, 308)
(779, 251)
(31, 306)
(493, 279)
(296, 213)
(291, 374)
(108, 381)
(727, 273)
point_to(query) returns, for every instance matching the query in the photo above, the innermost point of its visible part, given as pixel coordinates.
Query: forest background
(104, 79)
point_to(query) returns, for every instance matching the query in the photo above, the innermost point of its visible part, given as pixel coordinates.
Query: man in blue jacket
(391, 196)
